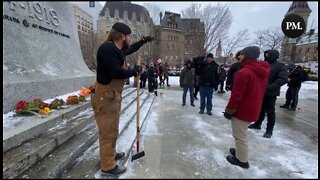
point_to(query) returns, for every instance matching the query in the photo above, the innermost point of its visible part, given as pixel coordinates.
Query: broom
(138, 154)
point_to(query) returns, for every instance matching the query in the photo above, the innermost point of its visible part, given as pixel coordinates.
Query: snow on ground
(283, 150)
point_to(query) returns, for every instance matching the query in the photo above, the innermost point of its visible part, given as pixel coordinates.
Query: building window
(141, 18)
(125, 15)
(134, 17)
(116, 13)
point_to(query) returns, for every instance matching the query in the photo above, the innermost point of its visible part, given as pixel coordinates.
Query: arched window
(142, 18)
(134, 17)
(125, 15)
(116, 13)
(107, 14)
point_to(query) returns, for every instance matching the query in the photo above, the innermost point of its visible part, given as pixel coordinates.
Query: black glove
(181, 85)
(147, 39)
(228, 87)
(229, 113)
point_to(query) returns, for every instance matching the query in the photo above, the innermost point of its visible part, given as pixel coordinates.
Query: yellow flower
(45, 111)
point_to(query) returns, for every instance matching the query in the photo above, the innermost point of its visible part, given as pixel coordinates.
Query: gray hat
(122, 28)
(251, 52)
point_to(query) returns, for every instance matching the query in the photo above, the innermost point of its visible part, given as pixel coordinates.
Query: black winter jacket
(278, 74)
(233, 69)
(295, 77)
(209, 74)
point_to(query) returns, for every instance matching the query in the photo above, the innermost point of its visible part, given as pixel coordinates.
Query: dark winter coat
(187, 77)
(222, 74)
(233, 69)
(143, 76)
(249, 87)
(209, 74)
(278, 74)
(295, 76)
(151, 73)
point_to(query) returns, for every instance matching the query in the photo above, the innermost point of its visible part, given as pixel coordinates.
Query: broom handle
(138, 112)
(138, 106)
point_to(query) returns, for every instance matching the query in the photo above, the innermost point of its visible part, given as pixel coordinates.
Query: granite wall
(42, 56)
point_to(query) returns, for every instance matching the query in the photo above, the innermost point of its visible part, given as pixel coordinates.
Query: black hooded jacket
(278, 73)
(209, 74)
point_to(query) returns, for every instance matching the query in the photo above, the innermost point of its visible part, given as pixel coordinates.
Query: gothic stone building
(178, 39)
(304, 48)
(136, 17)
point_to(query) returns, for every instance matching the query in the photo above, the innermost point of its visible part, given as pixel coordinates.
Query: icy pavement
(180, 143)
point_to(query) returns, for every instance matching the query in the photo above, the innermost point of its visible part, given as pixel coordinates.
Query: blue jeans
(185, 90)
(206, 94)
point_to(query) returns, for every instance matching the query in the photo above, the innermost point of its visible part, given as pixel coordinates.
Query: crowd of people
(254, 87)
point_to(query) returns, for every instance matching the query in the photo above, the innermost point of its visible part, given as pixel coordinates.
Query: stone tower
(219, 51)
(300, 8)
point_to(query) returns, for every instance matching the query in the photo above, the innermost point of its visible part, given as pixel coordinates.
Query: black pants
(143, 83)
(221, 86)
(292, 96)
(268, 106)
(196, 90)
(152, 84)
(161, 80)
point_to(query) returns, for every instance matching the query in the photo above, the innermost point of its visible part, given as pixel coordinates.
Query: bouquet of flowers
(31, 108)
(56, 104)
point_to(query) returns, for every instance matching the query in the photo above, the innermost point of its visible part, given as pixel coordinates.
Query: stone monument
(41, 52)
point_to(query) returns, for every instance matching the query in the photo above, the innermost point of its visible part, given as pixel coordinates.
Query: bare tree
(154, 12)
(89, 44)
(217, 21)
(232, 44)
(270, 38)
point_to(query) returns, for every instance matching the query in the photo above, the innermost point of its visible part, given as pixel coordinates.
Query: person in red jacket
(245, 103)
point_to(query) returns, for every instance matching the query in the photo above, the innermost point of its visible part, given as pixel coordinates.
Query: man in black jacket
(209, 80)
(295, 78)
(277, 78)
(222, 78)
(112, 72)
(232, 70)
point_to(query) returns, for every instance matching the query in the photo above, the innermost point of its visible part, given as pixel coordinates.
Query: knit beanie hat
(251, 52)
(122, 28)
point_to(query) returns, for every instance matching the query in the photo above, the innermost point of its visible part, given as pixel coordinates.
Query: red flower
(20, 105)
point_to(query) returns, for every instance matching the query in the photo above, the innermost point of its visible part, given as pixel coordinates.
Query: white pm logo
(293, 26)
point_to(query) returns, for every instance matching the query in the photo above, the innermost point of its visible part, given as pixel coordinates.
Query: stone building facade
(84, 20)
(178, 39)
(136, 17)
(304, 48)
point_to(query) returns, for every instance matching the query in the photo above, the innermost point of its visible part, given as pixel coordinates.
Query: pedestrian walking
(209, 80)
(152, 80)
(222, 78)
(232, 70)
(112, 72)
(187, 82)
(245, 103)
(295, 78)
(166, 70)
